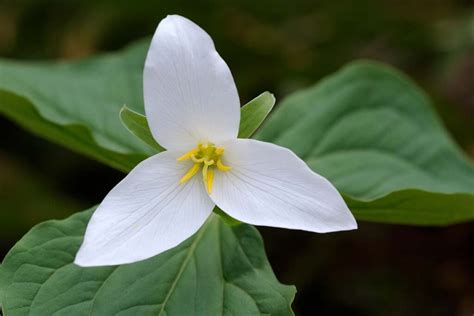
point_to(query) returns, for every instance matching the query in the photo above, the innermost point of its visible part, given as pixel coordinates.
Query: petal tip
(347, 219)
(175, 18)
(80, 262)
(351, 223)
(353, 226)
(87, 258)
(83, 262)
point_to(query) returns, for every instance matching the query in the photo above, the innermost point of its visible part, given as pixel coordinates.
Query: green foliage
(220, 270)
(367, 128)
(252, 115)
(76, 104)
(137, 124)
(374, 134)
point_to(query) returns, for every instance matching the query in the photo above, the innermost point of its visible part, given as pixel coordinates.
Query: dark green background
(279, 46)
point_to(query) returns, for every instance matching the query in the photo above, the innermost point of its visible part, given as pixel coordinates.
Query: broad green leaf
(76, 104)
(416, 207)
(367, 128)
(252, 115)
(137, 124)
(221, 270)
(375, 135)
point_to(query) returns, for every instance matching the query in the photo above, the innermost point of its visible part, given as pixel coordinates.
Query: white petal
(269, 185)
(145, 214)
(189, 92)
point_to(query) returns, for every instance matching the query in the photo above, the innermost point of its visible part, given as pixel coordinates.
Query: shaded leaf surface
(367, 128)
(374, 134)
(77, 103)
(221, 270)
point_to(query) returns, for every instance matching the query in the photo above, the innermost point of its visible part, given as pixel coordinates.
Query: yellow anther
(188, 155)
(191, 172)
(209, 156)
(221, 166)
(210, 179)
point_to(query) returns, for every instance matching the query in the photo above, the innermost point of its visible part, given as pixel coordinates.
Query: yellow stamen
(197, 160)
(210, 179)
(188, 155)
(219, 151)
(209, 162)
(209, 156)
(204, 172)
(221, 166)
(191, 172)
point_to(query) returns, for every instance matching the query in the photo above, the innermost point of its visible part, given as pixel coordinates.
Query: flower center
(209, 157)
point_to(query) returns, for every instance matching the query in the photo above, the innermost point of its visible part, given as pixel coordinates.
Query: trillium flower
(193, 111)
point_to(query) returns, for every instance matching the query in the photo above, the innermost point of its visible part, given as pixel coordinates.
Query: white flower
(193, 110)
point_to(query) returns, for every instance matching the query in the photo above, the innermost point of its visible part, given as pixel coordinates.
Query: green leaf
(229, 220)
(76, 104)
(416, 207)
(137, 124)
(252, 115)
(1, 308)
(374, 134)
(367, 128)
(220, 270)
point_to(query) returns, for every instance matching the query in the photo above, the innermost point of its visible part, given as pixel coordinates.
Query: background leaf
(76, 104)
(374, 134)
(367, 128)
(221, 270)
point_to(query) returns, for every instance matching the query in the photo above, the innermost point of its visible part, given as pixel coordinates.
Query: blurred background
(280, 46)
